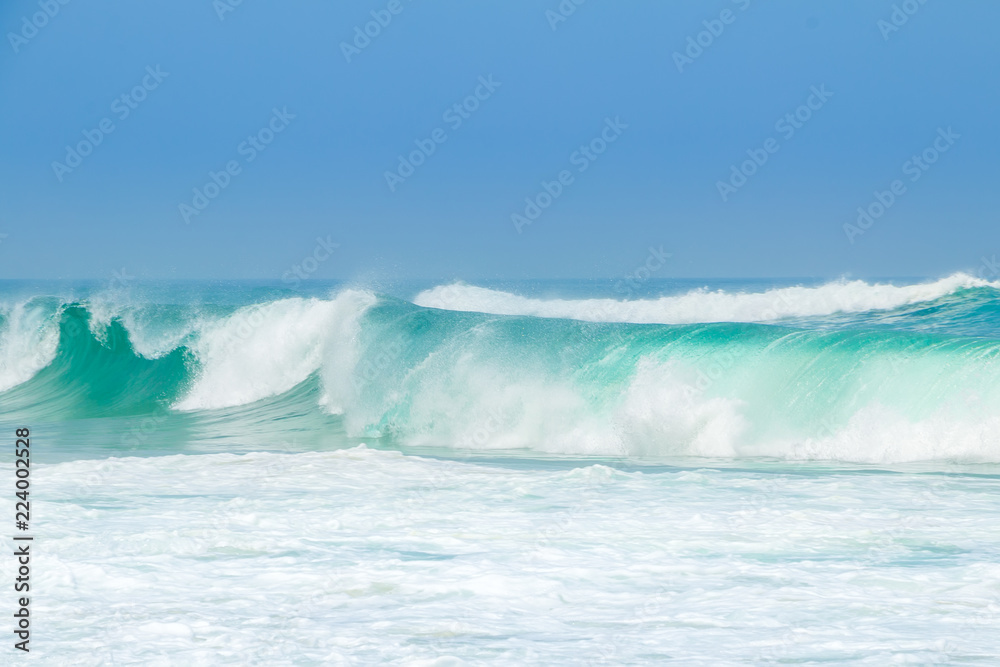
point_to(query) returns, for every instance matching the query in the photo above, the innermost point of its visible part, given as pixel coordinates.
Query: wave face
(851, 372)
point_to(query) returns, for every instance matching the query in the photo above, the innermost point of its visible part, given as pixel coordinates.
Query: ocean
(508, 472)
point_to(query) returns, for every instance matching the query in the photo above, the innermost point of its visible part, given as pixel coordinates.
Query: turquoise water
(552, 473)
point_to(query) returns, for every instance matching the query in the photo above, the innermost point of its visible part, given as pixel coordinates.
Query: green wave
(418, 376)
(92, 377)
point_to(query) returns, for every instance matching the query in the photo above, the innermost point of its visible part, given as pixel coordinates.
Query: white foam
(29, 339)
(663, 413)
(878, 435)
(340, 353)
(456, 399)
(151, 333)
(266, 349)
(701, 305)
(666, 410)
(366, 557)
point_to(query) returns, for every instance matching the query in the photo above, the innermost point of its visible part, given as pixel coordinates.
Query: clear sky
(676, 117)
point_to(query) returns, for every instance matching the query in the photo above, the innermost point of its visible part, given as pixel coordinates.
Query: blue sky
(554, 86)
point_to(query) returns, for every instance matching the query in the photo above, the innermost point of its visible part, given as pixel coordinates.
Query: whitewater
(714, 472)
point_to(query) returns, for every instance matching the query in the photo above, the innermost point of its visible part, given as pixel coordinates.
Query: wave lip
(29, 337)
(703, 306)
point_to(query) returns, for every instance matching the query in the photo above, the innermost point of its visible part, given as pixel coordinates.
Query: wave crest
(268, 349)
(703, 306)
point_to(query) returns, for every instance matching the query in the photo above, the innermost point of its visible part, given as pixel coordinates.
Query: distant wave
(701, 305)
